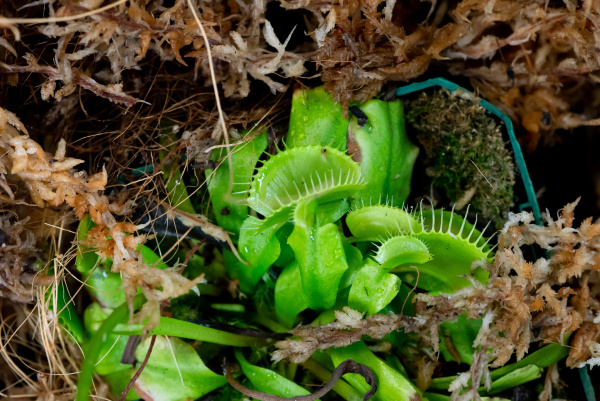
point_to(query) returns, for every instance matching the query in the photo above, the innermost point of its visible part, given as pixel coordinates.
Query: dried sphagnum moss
(466, 154)
(534, 59)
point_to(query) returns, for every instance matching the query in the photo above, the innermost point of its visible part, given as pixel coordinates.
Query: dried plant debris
(466, 154)
(238, 33)
(19, 257)
(535, 60)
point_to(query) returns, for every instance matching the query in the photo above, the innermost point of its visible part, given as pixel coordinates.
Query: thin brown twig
(139, 371)
(190, 253)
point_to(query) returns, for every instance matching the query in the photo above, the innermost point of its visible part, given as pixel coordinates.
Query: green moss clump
(465, 153)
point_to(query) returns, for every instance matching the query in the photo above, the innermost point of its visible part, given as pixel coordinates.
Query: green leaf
(403, 155)
(299, 174)
(514, 379)
(229, 201)
(176, 190)
(446, 221)
(113, 346)
(315, 119)
(400, 250)
(331, 212)
(286, 255)
(289, 299)
(354, 259)
(373, 289)
(461, 333)
(541, 358)
(378, 222)
(58, 300)
(385, 154)
(174, 371)
(452, 259)
(105, 286)
(320, 253)
(94, 348)
(179, 328)
(260, 248)
(453, 253)
(267, 381)
(391, 385)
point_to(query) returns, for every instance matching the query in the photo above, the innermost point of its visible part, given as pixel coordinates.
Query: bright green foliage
(174, 371)
(514, 379)
(320, 253)
(453, 253)
(447, 221)
(289, 301)
(259, 248)
(286, 255)
(316, 119)
(377, 222)
(311, 172)
(112, 348)
(228, 198)
(354, 258)
(391, 385)
(461, 333)
(178, 194)
(385, 154)
(267, 381)
(401, 250)
(105, 286)
(332, 212)
(115, 374)
(451, 259)
(58, 300)
(372, 288)
(93, 349)
(290, 219)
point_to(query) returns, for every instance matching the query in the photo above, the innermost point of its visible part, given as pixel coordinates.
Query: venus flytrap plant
(259, 248)
(382, 149)
(372, 289)
(454, 253)
(174, 371)
(288, 303)
(268, 381)
(288, 217)
(320, 254)
(315, 119)
(374, 222)
(312, 172)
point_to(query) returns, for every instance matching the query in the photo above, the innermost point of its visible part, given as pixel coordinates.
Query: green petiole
(178, 328)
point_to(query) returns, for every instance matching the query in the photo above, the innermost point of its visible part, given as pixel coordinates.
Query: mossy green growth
(465, 153)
